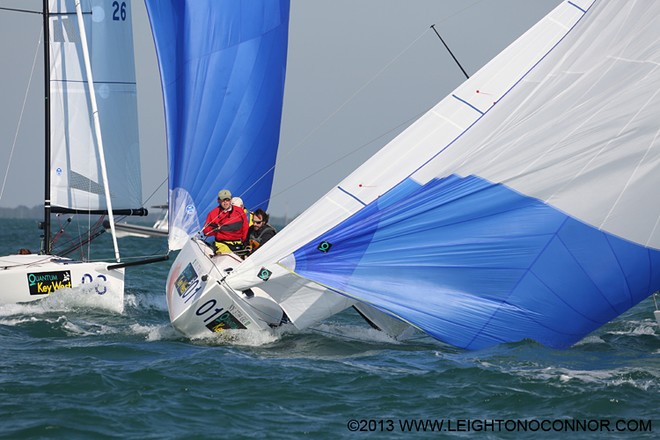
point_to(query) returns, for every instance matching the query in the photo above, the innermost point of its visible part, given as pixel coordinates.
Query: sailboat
(519, 207)
(92, 161)
(157, 229)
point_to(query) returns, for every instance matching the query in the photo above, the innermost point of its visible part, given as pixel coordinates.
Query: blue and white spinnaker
(522, 206)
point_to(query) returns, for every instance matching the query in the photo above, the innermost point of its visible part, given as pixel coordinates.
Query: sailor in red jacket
(226, 224)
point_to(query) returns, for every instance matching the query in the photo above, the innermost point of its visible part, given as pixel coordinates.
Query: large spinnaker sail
(76, 181)
(521, 206)
(306, 302)
(222, 66)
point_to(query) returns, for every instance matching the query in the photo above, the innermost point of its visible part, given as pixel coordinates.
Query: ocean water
(74, 367)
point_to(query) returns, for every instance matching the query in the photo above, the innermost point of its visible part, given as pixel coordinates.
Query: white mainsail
(76, 181)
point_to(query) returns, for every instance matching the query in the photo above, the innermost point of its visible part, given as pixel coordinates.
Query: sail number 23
(119, 11)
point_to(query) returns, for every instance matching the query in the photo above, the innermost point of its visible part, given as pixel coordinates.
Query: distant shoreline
(22, 211)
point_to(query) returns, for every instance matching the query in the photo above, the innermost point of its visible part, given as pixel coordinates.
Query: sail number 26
(119, 11)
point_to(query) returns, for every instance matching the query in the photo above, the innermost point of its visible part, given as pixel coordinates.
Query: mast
(97, 125)
(46, 245)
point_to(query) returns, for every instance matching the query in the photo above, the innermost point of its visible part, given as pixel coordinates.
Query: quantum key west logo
(48, 282)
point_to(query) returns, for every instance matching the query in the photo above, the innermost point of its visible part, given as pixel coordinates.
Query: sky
(358, 73)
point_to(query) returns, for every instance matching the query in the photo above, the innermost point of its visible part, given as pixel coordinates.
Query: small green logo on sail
(264, 274)
(324, 246)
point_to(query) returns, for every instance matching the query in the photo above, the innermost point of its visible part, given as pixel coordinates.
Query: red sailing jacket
(226, 225)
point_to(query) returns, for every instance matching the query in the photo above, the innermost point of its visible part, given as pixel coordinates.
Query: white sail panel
(439, 128)
(580, 132)
(76, 181)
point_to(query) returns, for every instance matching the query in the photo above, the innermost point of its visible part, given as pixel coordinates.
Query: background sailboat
(90, 106)
(157, 229)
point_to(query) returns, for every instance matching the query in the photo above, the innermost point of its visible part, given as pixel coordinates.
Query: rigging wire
(364, 145)
(20, 118)
(154, 191)
(28, 11)
(341, 107)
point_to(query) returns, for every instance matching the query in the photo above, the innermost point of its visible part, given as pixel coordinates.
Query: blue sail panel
(222, 66)
(475, 263)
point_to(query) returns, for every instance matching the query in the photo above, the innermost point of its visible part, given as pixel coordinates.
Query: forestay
(76, 181)
(521, 206)
(222, 67)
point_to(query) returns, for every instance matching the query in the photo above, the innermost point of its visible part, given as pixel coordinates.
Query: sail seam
(637, 167)
(577, 261)
(618, 262)
(526, 271)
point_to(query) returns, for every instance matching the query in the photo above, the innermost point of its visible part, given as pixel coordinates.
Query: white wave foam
(255, 338)
(85, 328)
(614, 377)
(29, 319)
(250, 338)
(155, 332)
(145, 301)
(68, 299)
(636, 328)
(591, 339)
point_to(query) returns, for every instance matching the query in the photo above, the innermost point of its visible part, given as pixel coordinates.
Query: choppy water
(74, 367)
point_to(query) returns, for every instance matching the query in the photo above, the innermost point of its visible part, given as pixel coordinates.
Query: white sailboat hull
(28, 278)
(200, 303)
(90, 54)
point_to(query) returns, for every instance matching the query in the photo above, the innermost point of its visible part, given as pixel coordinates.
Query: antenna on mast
(450, 52)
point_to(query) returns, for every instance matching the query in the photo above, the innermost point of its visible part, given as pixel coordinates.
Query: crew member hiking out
(226, 224)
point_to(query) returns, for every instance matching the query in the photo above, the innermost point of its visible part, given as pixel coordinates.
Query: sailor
(260, 231)
(226, 224)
